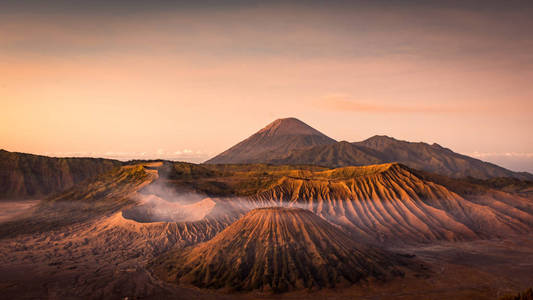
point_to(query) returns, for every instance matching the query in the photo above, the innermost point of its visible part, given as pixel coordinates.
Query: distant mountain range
(291, 141)
(283, 142)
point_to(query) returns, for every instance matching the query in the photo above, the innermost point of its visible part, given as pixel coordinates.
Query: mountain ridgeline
(34, 176)
(290, 141)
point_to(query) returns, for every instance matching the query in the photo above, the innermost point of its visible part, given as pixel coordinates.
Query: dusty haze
(104, 79)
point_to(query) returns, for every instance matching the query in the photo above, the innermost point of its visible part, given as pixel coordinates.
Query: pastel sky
(146, 79)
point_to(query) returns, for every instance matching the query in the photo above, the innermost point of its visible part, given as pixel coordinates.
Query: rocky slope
(34, 176)
(278, 249)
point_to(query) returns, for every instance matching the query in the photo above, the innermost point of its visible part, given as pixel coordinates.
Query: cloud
(344, 103)
(502, 154)
(516, 161)
(187, 155)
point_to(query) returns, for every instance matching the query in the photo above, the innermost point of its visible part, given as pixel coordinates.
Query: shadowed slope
(333, 155)
(32, 176)
(272, 142)
(277, 249)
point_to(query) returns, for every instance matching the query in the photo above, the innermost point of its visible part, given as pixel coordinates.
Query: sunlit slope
(383, 203)
(390, 203)
(278, 249)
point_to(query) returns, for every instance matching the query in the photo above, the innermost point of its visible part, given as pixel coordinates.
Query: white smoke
(164, 202)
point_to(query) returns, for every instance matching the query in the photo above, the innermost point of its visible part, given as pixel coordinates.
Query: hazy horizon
(187, 81)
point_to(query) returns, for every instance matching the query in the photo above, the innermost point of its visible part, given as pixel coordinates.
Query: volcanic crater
(156, 209)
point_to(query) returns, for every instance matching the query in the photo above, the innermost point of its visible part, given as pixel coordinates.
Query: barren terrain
(101, 239)
(10, 210)
(108, 259)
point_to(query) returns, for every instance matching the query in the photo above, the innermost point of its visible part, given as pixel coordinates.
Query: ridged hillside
(277, 249)
(389, 203)
(34, 176)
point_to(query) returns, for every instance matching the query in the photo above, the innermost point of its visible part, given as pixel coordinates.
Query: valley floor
(12, 209)
(100, 259)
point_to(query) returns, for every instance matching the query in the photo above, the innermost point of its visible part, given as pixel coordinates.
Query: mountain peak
(289, 126)
(274, 141)
(384, 138)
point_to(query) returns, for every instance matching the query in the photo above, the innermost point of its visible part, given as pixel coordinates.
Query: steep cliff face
(278, 249)
(389, 203)
(34, 176)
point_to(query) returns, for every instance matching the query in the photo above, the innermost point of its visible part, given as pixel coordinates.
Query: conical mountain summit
(273, 142)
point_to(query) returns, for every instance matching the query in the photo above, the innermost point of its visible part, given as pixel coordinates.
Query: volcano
(278, 249)
(273, 142)
(292, 142)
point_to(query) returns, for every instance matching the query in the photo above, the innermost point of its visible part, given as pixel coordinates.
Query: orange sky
(189, 82)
